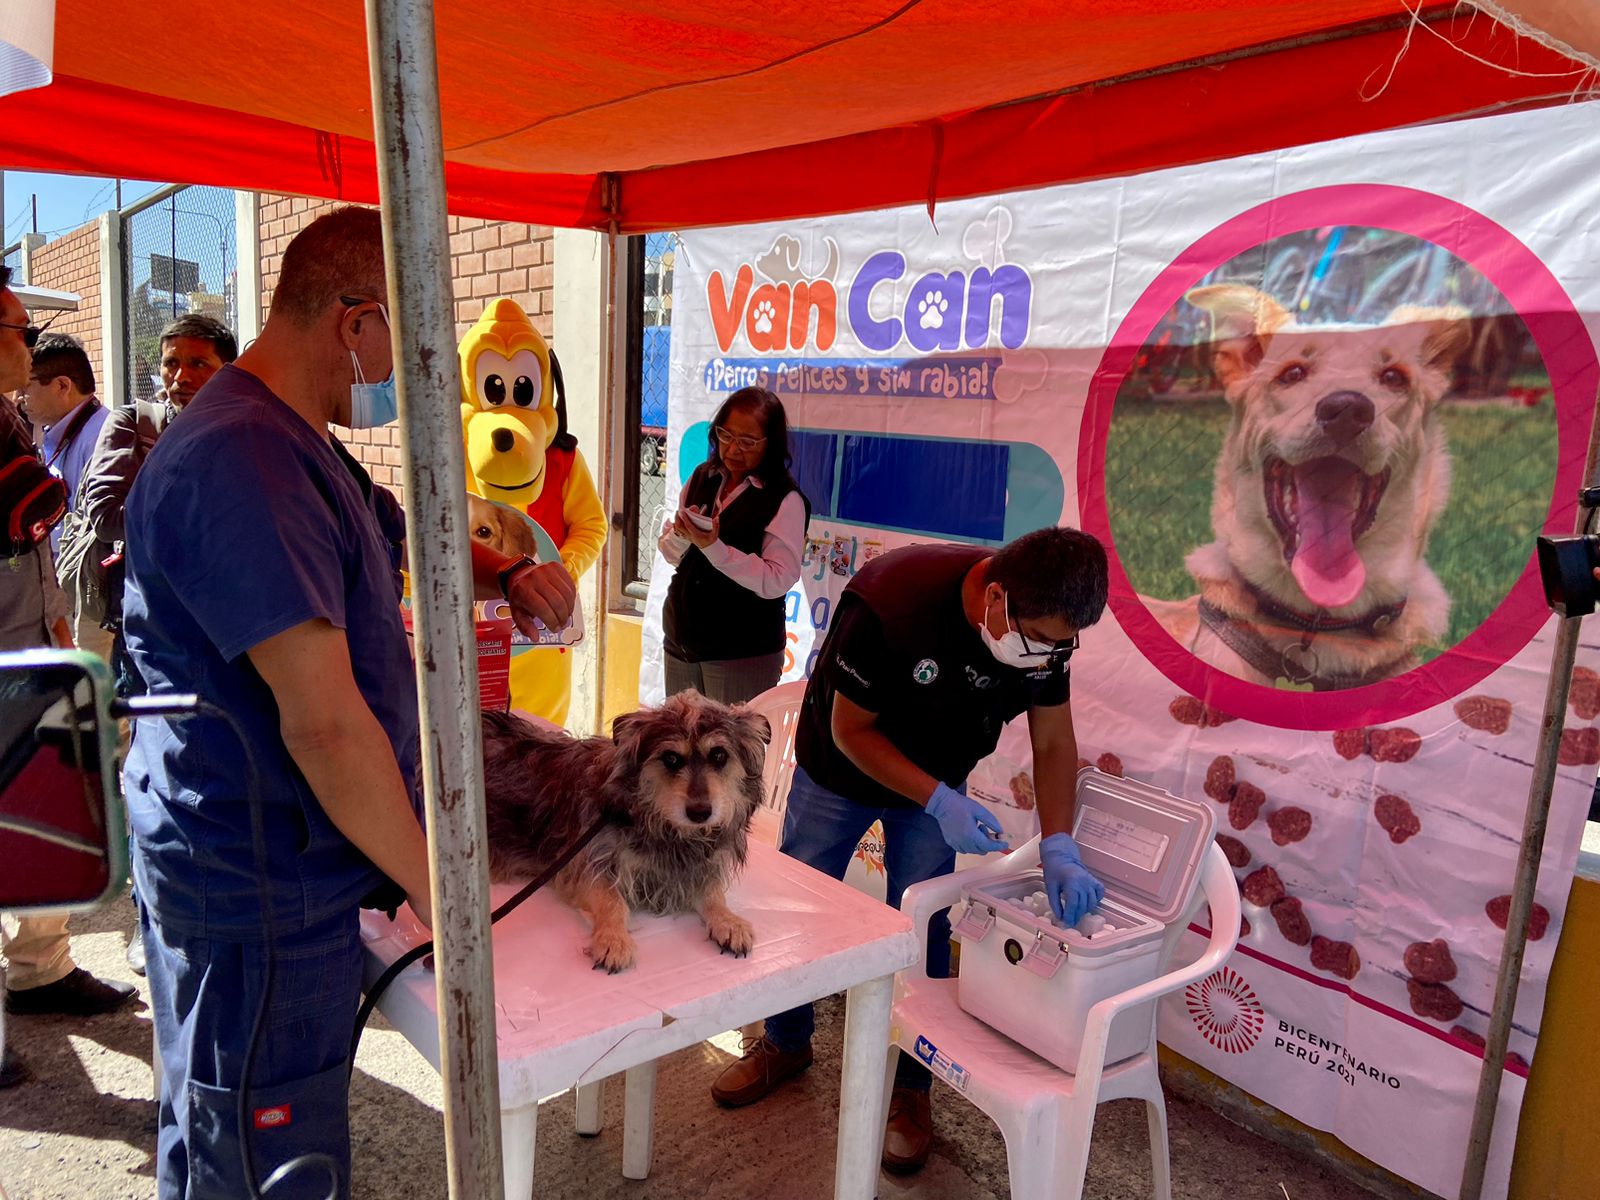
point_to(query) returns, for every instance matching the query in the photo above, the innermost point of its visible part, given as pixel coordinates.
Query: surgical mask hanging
(1009, 650)
(372, 404)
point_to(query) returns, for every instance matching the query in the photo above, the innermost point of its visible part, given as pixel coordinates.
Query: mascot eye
(1291, 375)
(672, 760)
(718, 758)
(522, 391)
(494, 390)
(1394, 378)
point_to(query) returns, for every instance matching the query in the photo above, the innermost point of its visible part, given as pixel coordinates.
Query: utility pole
(404, 68)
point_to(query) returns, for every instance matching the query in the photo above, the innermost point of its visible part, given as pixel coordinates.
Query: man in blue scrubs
(263, 575)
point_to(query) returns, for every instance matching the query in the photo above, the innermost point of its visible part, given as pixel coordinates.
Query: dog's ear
(628, 729)
(628, 735)
(757, 724)
(1243, 320)
(1448, 332)
(752, 734)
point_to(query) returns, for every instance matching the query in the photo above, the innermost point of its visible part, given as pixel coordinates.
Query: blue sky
(65, 201)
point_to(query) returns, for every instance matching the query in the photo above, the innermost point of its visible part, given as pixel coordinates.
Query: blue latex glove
(1073, 892)
(968, 826)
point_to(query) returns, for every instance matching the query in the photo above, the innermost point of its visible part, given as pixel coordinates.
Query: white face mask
(1010, 650)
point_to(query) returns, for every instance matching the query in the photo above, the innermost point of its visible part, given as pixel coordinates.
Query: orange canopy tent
(678, 113)
(632, 115)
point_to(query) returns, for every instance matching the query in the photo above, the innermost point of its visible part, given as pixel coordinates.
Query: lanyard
(70, 434)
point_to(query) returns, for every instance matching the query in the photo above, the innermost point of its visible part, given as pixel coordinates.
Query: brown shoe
(908, 1136)
(762, 1068)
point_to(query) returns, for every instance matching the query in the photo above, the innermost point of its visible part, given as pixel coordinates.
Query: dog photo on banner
(1317, 405)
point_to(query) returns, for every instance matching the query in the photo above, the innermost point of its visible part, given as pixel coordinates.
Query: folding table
(563, 1024)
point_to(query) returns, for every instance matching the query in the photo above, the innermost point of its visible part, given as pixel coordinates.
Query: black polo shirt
(901, 646)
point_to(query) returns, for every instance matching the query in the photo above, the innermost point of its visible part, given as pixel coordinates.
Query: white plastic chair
(1047, 1115)
(781, 707)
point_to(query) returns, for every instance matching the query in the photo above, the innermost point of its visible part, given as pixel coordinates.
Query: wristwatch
(505, 573)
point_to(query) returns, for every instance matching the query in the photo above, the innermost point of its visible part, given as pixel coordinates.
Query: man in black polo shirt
(932, 650)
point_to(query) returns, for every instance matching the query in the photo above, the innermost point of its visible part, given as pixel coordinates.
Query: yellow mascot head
(513, 405)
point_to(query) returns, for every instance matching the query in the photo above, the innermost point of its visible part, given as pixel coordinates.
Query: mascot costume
(521, 457)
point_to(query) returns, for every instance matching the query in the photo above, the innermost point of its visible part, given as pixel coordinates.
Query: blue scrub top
(245, 522)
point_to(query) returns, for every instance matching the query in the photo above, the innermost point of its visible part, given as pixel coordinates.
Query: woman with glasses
(736, 542)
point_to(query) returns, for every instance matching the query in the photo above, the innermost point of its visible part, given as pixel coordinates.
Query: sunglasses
(30, 333)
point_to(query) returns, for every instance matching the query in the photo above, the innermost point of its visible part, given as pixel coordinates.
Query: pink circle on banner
(1569, 357)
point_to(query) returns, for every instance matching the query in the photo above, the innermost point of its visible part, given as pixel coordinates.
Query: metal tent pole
(1540, 787)
(405, 105)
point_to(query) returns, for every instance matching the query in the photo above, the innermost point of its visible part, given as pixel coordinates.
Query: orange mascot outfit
(519, 454)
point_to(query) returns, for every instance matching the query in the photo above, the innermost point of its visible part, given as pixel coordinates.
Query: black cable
(186, 705)
(424, 948)
(176, 705)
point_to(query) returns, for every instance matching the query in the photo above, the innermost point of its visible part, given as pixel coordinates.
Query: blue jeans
(821, 829)
(204, 997)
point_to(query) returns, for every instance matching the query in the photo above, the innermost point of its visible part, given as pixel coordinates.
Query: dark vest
(708, 617)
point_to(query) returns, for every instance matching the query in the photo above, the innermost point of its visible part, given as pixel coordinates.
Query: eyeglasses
(1061, 650)
(724, 438)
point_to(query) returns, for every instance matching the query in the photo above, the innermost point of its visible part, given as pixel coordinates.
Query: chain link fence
(650, 359)
(179, 255)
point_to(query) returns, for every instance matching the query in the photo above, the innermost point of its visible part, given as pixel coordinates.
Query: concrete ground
(84, 1127)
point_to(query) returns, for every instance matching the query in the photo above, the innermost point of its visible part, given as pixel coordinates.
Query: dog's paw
(732, 933)
(612, 951)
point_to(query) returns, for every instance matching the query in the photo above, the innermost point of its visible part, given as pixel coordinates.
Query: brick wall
(72, 264)
(488, 259)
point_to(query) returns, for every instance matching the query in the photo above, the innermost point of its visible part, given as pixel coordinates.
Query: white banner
(1317, 404)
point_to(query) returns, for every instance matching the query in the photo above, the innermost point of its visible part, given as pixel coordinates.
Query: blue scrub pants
(205, 994)
(821, 828)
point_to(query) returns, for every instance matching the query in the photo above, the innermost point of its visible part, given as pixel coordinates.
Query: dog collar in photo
(1295, 666)
(1375, 621)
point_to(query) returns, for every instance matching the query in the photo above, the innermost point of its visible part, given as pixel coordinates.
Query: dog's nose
(698, 813)
(502, 439)
(1344, 416)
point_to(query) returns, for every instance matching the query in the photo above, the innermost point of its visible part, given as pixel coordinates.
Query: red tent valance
(679, 114)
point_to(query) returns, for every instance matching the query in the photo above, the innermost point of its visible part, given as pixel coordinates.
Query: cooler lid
(1143, 843)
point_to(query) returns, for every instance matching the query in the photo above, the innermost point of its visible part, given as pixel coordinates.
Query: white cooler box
(1034, 980)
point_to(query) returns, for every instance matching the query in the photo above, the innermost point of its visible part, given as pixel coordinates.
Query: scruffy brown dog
(680, 784)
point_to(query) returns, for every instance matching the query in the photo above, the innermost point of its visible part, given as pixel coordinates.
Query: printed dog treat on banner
(1317, 404)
